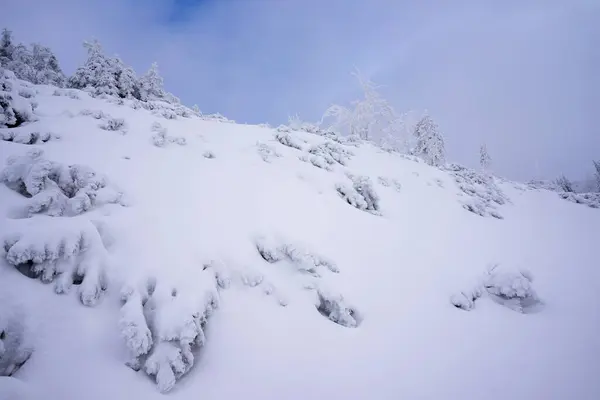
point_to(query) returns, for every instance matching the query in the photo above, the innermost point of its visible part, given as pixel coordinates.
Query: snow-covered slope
(257, 263)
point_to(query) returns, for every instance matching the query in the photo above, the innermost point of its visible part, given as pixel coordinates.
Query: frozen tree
(565, 184)
(46, 67)
(370, 118)
(429, 142)
(98, 72)
(6, 46)
(15, 108)
(36, 64)
(485, 161)
(126, 80)
(151, 85)
(597, 174)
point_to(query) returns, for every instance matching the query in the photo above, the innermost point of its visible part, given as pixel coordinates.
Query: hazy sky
(521, 76)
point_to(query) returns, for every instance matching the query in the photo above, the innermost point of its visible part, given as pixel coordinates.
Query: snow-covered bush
(334, 307)
(513, 290)
(266, 152)
(383, 181)
(361, 194)
(114, 124)
(53, 188)
(21, 136)
(564, 184)
(96, 114)
(208, 154)
(304, 261)
(15, 109)
(161, 139)
(285, 139)
(161, 326)
(73, 94)
(589, 199)
(64, 251)
(484, 194)
(14, 347)
(329, 153)
(508, 288)
(166, 113)
(466, 299)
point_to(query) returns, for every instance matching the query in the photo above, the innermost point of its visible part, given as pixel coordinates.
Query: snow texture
(334, 289)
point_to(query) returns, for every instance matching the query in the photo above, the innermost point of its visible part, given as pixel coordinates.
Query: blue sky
(519, 76)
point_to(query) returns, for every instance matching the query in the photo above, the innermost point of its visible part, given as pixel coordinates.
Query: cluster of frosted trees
(373, 118)
(99, 75)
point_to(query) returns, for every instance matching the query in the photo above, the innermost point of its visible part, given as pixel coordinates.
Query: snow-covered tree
(6, 46)
(15, 109)
(564, 184)
(126, 80)
(151, 85)
(484, 158)
(597, 174)
(98, 72)
(429, 142)
(36, 64)
(371, 118)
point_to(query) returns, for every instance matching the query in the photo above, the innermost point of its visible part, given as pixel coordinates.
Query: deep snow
(190, 224)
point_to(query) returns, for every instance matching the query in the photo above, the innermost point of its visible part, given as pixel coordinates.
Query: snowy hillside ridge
(210, 252)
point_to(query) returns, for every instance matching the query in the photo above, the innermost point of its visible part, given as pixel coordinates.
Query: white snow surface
(188, 227)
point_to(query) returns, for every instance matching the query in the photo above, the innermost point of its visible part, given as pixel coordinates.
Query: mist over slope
(224, 261)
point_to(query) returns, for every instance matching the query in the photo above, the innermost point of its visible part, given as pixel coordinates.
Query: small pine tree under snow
(151, 85)
(98, 72)
(15, 108)
(429, 142)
